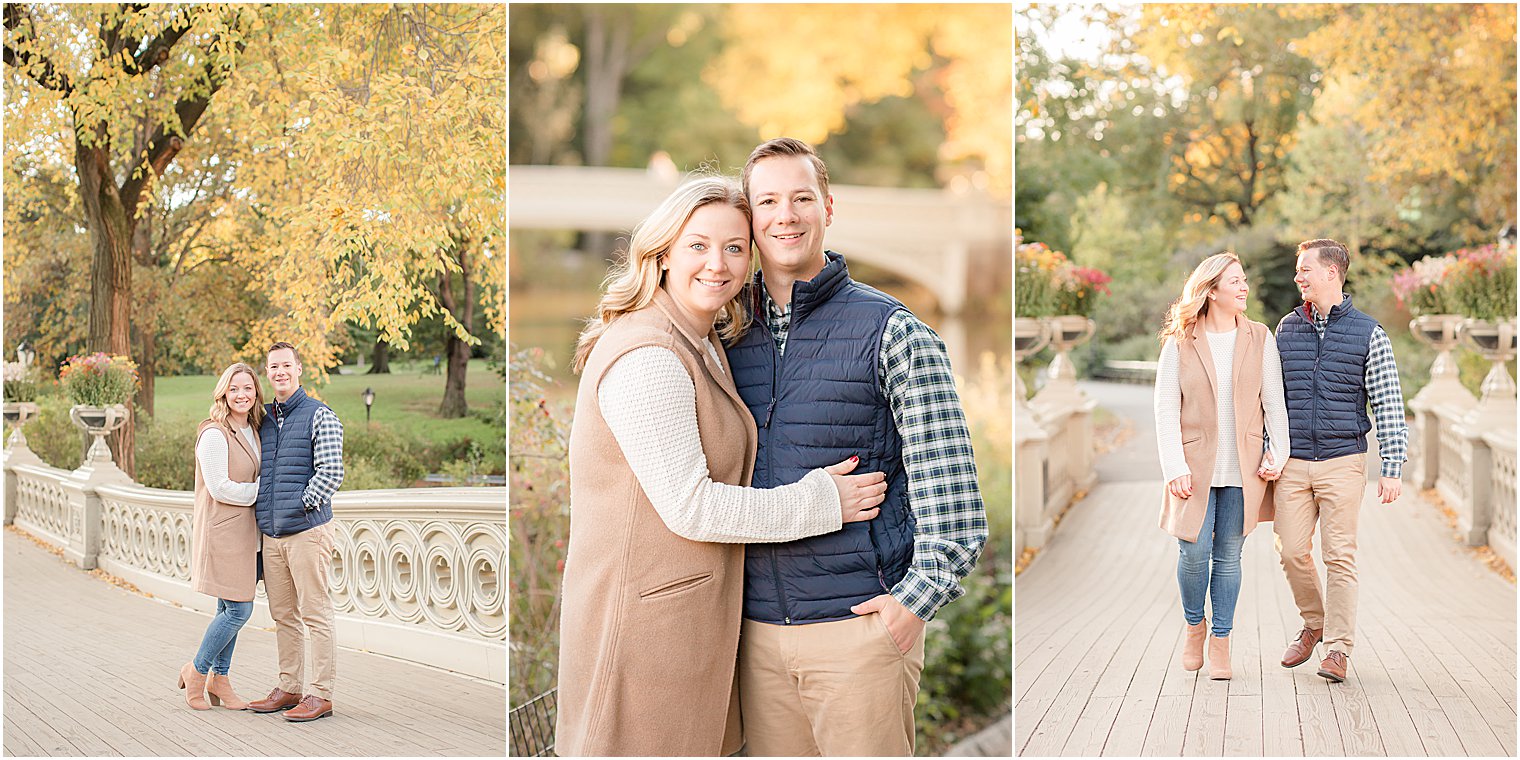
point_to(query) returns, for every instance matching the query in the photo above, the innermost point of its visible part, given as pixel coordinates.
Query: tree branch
(165, 145)
(157, 49)
(50, 76)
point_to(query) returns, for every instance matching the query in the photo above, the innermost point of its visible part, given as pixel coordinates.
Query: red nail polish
(855, 459)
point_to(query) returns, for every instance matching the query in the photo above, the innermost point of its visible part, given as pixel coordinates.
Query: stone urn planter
(1066, 332)
(1029, 336)
(16, 415)
(99, 422)
(1496, 341)
(1443, 332)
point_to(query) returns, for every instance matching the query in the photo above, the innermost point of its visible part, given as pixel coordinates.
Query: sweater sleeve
(650, 404)
(1274, 403)
(211, 452)
(1168, 409)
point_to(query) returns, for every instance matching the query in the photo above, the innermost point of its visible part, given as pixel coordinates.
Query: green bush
(165, 450)
(404, 458)
(52, 436)
(364, 473)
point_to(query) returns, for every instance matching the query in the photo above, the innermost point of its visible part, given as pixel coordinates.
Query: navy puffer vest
(1325, 381)
(286, 467)
(819, 405)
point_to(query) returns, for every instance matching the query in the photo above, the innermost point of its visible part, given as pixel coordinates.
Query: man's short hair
(1330, 252)
(788, 146)
(282, 344)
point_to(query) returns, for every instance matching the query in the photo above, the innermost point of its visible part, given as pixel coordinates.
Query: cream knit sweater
(211, 450)
(649, 403)
(1168, 407)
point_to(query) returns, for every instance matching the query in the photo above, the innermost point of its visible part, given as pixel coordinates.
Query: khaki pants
(1331, 493)
(832, 689)
(296, 572)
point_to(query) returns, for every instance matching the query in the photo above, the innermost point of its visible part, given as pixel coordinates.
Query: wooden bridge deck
(1098, 630)
(90, 670)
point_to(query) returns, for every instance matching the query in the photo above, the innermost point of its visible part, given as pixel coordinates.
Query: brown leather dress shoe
(311, 708)
(276, 701)
(1302, 647)
(1334, 666)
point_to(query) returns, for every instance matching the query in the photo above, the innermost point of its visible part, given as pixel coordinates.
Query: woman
(225, 546)
(1219, 388)
(659, 448)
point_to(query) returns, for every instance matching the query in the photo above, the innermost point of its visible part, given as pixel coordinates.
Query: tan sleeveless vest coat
(224, 542)
(1183, 518)
(649, 623)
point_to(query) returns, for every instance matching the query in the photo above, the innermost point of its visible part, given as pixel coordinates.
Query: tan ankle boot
(1219, 658)
(1192, 645)
(194, 685)
(219, 690)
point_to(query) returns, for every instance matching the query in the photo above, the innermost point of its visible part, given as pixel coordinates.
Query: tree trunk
(147, 370)
(380, 359)
(457, 350)
(111, 231)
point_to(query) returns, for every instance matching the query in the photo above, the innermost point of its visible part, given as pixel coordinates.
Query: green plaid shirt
(951, 523)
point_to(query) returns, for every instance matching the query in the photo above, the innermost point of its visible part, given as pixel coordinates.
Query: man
(300, 468)
(1335, 361)
(831, 647)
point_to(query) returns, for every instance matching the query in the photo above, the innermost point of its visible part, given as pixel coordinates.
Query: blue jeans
(1219, 542)
(221, 637)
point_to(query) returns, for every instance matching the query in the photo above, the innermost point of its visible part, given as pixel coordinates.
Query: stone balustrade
(417, 573)
(1501, 526)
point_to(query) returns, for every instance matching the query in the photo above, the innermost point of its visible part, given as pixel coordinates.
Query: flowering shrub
(1078, 289)
(99, 379)
(1475, 282)
(1034, 282)
(1418, 288)
(20, 382)
(1048, 284)
(1480, 283)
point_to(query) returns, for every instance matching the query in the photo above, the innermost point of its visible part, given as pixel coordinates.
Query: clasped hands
(1182, 486)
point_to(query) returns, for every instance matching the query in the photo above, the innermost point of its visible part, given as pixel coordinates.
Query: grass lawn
(406, 401)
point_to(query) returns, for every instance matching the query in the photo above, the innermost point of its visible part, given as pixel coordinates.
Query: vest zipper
(780, 594)
(1319, 352)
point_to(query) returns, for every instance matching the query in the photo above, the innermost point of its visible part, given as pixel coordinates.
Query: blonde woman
(225, 541)
(1222, 430)
(660, 448)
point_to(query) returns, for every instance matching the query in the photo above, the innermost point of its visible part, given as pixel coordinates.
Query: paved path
(1099, 628)
(90, 670)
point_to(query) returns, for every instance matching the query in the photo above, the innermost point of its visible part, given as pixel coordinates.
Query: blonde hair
(219, 408)
(1194, 301)
(632, 283)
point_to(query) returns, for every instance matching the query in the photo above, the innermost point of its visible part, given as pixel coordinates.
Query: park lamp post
(369, 400)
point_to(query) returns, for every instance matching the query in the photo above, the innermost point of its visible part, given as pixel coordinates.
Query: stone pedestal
(83, 527)
(1441, 332)
(1031, 525)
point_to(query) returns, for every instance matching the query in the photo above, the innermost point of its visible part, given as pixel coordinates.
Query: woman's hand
(1266, 471)
(859, 495)
(1182, 487)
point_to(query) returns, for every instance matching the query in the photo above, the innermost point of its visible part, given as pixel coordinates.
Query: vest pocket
(676, 586)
